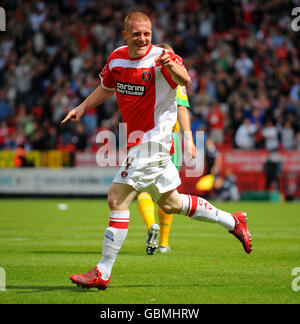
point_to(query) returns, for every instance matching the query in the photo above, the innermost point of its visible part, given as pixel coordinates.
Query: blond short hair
(136, 16)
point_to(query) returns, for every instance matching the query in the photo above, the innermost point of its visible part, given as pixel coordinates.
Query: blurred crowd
(242, 56)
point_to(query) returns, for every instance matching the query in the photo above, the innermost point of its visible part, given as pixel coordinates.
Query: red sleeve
(176, 58)
(107, 79)
(167, 75)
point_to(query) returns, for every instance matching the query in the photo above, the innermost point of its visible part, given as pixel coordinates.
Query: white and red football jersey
(146, 94)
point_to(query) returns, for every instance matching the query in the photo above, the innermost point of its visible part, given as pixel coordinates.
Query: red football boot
(90, 279)
(241, 231)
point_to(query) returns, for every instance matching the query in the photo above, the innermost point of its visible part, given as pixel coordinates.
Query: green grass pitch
(40, 246)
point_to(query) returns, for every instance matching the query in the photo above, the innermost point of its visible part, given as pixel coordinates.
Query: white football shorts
(152, 172)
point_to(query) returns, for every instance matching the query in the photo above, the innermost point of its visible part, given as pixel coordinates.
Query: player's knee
(167, 208)
(171, 202)
(120, 196)
(112, 202)
(115, 202)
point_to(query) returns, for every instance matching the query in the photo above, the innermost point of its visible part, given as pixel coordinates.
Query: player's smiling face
(138, 37)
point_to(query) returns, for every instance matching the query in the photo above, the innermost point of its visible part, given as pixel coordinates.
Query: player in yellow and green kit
(145, 202)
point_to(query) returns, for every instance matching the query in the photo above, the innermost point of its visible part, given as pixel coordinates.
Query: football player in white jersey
(145, 79)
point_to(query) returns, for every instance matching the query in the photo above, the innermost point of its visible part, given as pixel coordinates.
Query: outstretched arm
(96, 98)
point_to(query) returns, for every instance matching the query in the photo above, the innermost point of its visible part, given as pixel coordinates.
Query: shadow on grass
(65, 252)
(133, 253)
(37, 289)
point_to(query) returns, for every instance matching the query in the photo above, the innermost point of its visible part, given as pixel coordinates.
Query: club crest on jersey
(124, 174)
(146, 76)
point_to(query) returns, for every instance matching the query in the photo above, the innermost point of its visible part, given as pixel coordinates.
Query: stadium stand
(243, 59)
(242, 56)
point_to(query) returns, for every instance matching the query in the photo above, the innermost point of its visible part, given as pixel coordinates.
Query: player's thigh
(170, 202)
(120, 196)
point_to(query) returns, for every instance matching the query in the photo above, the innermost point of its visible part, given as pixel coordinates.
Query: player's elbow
(188, 82)
(185, 82)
